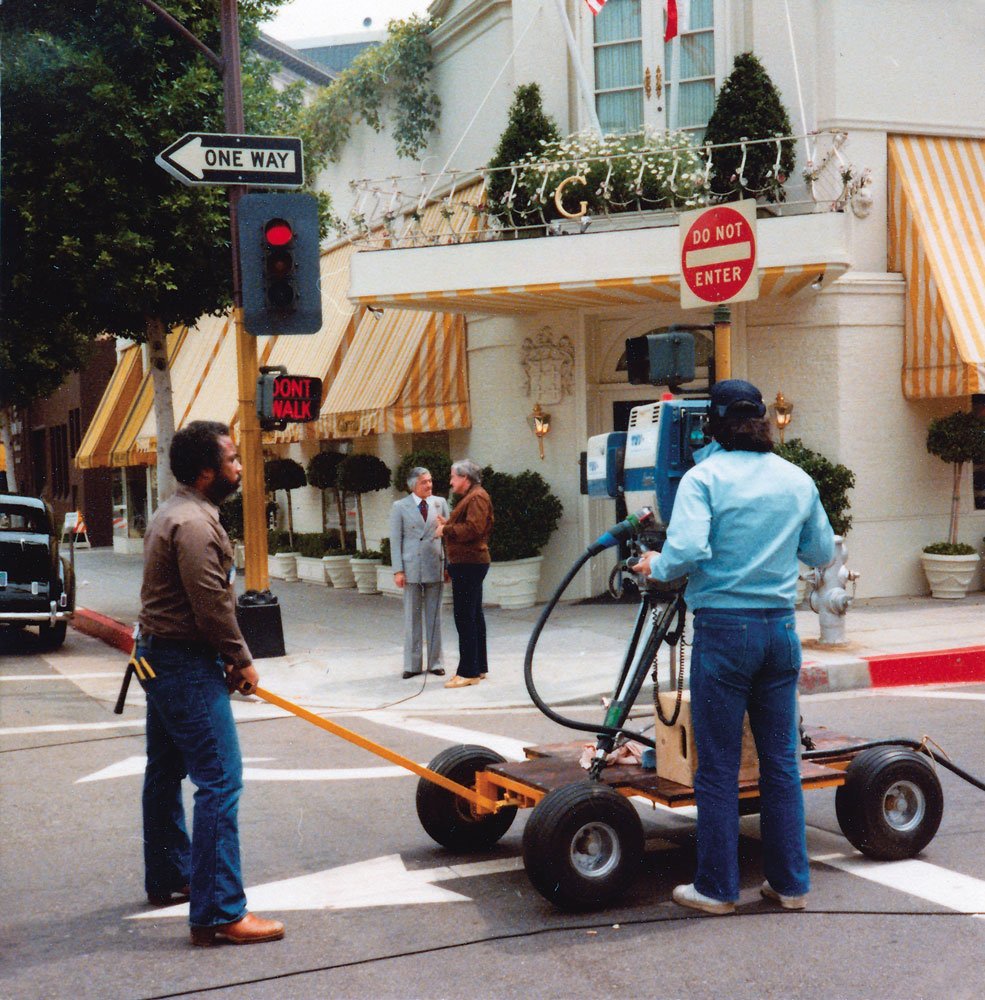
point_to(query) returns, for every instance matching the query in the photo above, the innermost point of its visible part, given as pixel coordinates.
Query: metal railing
(647, 179)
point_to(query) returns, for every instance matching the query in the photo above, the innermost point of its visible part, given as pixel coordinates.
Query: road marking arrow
(383, 881)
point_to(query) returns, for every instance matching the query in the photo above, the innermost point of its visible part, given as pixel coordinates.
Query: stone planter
(239, 555)
(283, 566)
(311, 569)
(513, 584)
(364, 571)
(949, 576)
(339, 571)
(384, 581)
(608, 223)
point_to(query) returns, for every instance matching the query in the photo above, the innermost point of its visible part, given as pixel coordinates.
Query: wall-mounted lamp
(540, 424)
(782, 413)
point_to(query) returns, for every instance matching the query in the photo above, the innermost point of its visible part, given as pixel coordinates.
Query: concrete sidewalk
(344, 649)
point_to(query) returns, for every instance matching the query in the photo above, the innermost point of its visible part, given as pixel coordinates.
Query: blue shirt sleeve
(817, 540)
(688, 542)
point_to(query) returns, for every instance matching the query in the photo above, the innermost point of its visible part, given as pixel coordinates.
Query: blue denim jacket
(741, 520)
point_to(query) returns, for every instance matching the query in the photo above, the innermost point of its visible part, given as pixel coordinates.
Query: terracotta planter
(949, 576)
(513, 584)
(283, 566)
(311, 569)
(339, 571)
(364, 571)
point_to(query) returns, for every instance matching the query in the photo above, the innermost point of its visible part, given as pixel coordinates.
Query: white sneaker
(687, 895)
(787, 902)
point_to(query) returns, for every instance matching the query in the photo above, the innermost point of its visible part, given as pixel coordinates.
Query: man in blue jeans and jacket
(742, 518)
(193, 655)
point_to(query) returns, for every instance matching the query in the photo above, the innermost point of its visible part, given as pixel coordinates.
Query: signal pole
(258, 611)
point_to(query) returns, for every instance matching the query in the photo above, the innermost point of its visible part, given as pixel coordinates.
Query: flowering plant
(622, 173)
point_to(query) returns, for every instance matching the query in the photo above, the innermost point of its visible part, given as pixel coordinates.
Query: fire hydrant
(829, 598)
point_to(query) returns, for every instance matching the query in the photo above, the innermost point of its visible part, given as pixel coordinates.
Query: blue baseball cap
(737, 393)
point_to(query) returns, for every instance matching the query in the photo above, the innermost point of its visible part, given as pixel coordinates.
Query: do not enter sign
(718, 255)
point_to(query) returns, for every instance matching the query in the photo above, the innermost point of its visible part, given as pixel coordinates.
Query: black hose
(528, 662)
(912, 744)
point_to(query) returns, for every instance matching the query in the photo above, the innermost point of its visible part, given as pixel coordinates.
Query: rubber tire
(448, 818)
(52, 636)
(552, 835)
(860, 803)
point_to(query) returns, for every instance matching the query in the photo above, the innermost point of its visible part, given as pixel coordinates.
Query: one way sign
(266, 160)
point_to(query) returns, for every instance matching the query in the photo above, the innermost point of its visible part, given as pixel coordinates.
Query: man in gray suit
(419, 569)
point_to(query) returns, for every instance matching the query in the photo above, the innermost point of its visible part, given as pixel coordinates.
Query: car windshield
(17, 518)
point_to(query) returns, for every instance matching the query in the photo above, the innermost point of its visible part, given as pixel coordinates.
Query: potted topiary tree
(526, 514)
(358, 475)
(749, 107)
(950, 565)
(322, 474)
(284, 474)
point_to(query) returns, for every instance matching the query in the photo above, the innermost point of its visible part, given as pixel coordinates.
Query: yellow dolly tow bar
(483, 803)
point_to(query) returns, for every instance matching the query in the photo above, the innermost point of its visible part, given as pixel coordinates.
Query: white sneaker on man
(687, 895)
(787, 902)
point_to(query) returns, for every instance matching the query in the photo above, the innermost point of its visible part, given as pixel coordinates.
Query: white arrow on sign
(204, 158)
(381, 881)
(131, 766)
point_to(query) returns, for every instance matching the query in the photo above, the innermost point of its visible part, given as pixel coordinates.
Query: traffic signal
(279, 255)
(661, 358)
(282, 398)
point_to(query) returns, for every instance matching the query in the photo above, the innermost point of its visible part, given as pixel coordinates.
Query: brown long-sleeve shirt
(468, 529)
(187, 591)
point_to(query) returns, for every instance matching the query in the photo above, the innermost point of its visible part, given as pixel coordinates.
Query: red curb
(963, 665)
(109, 630)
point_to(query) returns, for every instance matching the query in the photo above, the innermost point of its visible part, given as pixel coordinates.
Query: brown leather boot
(251, 929)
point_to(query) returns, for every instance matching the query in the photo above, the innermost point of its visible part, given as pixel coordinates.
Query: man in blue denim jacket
(742, 518)
(193, 655)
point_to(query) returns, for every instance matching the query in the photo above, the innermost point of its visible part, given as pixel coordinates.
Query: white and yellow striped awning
(107, 421)
(937, 240)
(404, 372)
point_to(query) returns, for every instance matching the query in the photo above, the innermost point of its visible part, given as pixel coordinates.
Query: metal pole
(250, 445)
(723, 343)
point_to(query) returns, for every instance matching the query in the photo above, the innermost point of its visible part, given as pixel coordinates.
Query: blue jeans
(190, 731)
(466, 599)
(747, 661)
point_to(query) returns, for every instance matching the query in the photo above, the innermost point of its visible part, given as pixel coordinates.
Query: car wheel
(52, 636)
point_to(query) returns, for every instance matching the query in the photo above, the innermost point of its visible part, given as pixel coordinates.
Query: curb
(962, 665)
(114, 633)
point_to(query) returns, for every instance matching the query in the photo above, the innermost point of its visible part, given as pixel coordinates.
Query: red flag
(595, 5)
(671, 29)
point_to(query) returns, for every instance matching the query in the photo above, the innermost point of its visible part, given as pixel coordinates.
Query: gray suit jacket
(414, 550)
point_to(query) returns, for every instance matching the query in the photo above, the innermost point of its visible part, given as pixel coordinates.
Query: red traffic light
(278, 233)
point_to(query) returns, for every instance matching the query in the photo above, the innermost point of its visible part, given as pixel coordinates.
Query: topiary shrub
(833, 481)
(528, 130)
(322, 473)
(749, 107)
(316, 544)
(526, 513)
(956, 439)
(438, 463)
(284, 474)
(359, 474)
(231, 517)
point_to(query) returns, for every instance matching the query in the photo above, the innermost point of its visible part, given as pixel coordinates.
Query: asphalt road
(374, 908)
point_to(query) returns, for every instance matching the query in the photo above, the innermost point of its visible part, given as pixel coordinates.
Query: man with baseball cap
(742, 518)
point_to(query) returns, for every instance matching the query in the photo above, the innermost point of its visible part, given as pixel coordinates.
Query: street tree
(98, 239)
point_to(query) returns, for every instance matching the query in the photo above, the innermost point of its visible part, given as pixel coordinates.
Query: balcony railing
(643, 180)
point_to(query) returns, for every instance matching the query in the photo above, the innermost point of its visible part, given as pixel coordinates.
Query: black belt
(181, 645)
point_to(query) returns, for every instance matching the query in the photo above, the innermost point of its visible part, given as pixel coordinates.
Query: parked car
(37, 585)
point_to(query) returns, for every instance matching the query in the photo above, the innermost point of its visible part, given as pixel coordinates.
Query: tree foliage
(96, 237)
(749, 107)
(438, 463)
(832, 481)
(956, 439)
(525, 512)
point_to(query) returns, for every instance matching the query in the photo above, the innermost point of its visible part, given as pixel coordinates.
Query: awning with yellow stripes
(937, 240)
(405, 372)
(118, 397)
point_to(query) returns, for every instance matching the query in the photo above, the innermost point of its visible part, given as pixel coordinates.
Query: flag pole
(587, 94)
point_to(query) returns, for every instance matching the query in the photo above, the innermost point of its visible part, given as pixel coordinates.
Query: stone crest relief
(548, 365)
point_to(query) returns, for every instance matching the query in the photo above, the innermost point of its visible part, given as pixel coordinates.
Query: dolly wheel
(582, 845)
(891, 803)
(450, 819)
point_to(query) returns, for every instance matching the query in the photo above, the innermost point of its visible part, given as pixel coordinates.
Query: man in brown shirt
(191, 640)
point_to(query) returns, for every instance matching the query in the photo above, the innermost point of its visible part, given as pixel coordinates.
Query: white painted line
(30, 678)
(718, 255)
(924, 693)
(73, 728)
(510, 748)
